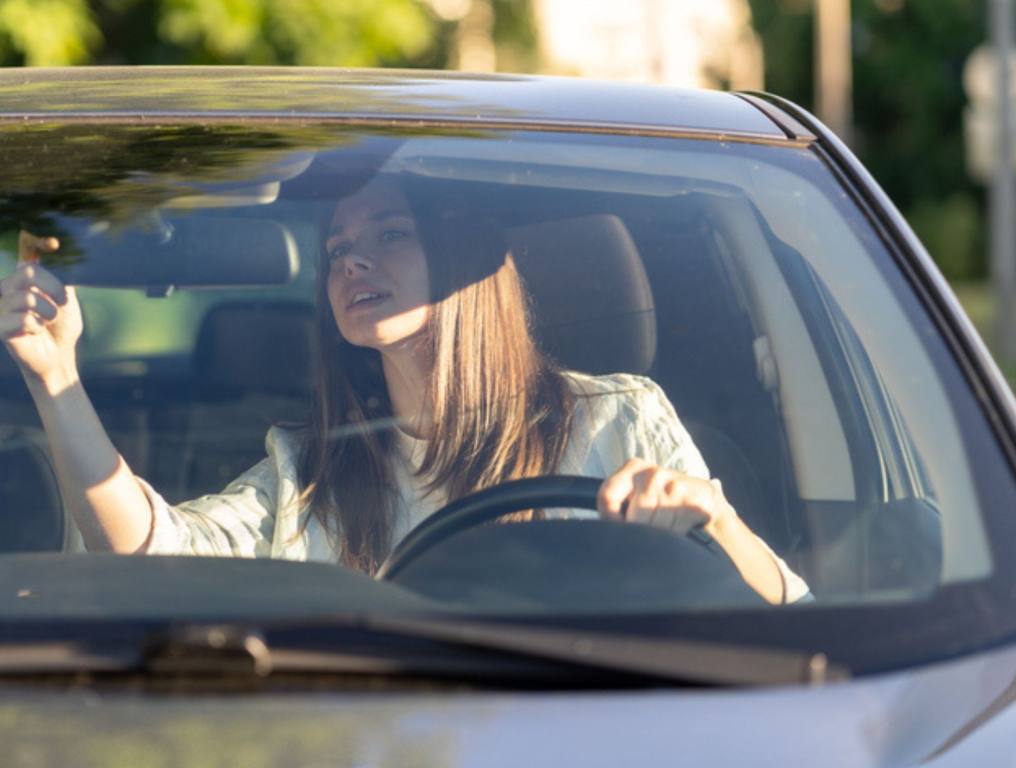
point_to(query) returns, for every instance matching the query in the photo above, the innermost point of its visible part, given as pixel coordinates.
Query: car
(717, 267)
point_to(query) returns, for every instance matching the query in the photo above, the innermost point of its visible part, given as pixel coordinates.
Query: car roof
(211, 93)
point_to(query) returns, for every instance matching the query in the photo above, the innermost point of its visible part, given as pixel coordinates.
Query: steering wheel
(550, 491)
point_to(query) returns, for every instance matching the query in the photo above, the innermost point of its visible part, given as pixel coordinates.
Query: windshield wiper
(668, 661)
(413, 646)
(494, 653)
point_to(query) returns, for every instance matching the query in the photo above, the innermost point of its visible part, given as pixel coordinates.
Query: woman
(437, 346)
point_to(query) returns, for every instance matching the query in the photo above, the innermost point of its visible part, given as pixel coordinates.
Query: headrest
(592, 306)
(255, 346)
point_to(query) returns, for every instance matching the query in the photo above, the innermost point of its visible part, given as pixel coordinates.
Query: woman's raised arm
(40, 324)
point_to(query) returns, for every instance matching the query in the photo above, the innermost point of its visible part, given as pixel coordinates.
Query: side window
(851, 507)
(883, 536)
(812, 213)
(898, 535)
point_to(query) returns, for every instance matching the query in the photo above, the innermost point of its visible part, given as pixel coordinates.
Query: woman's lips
(366, 299)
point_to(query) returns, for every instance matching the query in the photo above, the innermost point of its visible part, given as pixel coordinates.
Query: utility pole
(1003, 194)
(655, 46)
(834, 68)
(474, 37)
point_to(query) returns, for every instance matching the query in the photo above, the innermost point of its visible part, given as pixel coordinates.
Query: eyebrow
(388, 213)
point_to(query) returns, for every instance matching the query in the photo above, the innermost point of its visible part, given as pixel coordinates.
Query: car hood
(955, 713)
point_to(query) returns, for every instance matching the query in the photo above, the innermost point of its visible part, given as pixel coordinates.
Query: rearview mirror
(161, 251)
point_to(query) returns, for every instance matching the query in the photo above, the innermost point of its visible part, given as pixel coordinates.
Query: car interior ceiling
(623, 294)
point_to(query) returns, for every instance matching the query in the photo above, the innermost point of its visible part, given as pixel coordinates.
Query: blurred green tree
(908, 104)
(304, 32)
(40, 32)
(308, 32)
(516, 36)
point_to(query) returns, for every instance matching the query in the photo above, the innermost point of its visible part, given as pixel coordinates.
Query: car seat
(252, 369)
(592, 304)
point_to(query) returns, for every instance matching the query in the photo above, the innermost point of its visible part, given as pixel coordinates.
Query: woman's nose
(355, 261)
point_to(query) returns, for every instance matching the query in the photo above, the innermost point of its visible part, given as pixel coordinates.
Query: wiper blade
(654, 660)
(404, 647)
(489, 649)
(208, 649)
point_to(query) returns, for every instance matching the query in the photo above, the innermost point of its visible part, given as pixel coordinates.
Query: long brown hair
(501, 410)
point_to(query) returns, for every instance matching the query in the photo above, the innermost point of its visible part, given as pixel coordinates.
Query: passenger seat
(252, 369)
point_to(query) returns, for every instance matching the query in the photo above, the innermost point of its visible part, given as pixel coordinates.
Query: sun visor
(341, 170)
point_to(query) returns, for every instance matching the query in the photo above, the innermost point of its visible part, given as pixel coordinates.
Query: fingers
(616, 489)
(647, 495)
(31, 247)
(25, 313)
(29, 277)
(32, 302)
(30, 297)
(640, 492)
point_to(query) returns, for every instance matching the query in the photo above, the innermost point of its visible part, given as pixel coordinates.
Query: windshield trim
(401, 122)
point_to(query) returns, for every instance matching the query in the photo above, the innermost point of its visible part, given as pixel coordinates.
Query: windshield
(304, 343)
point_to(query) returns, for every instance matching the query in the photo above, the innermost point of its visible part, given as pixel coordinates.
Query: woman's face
(377, 279)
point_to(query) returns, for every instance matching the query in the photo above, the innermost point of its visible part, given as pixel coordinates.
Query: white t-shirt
(617, 417)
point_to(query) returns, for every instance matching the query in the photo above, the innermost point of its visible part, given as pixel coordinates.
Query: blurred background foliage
(354, 33)
(908, 105)
(908, 63)
(307, 32)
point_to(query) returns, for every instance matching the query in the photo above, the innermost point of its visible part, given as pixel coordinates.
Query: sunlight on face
(377, 281)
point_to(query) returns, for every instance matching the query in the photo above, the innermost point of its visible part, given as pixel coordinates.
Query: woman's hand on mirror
(40, 319)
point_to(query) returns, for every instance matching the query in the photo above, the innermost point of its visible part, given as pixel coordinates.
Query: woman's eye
(338, 251)
(389, 235)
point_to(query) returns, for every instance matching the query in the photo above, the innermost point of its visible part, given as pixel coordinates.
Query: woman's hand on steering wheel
(638, 492)
(641, 492)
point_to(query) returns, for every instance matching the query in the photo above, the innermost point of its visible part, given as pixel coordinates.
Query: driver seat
(592, 305)
(594, 312)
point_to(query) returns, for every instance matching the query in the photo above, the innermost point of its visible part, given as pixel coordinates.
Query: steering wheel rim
(550, 491)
